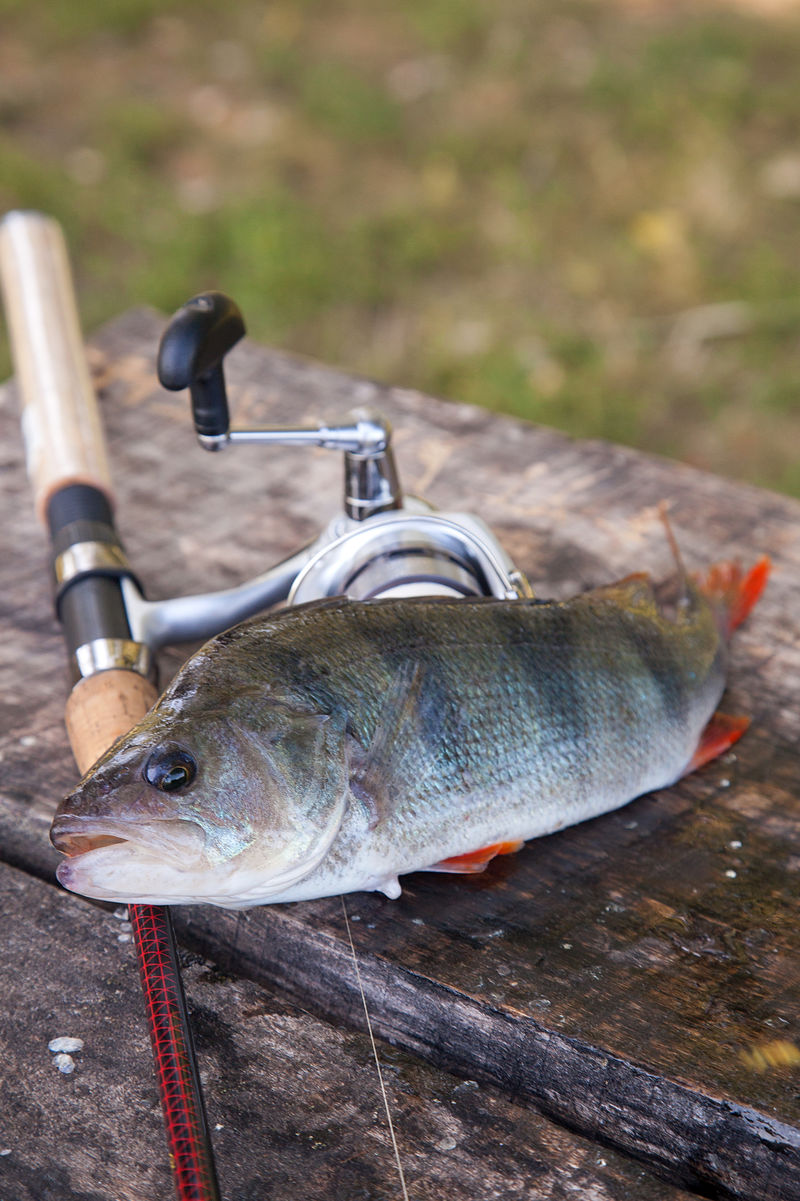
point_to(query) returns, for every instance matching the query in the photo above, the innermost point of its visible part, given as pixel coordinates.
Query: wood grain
(621, 975)
(293, 1102)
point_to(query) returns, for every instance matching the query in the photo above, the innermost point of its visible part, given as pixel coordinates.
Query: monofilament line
(375, 1053)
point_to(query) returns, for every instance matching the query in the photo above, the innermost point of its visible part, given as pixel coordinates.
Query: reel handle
(190, 356)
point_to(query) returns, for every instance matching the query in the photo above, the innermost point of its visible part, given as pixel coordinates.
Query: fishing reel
(382, 544)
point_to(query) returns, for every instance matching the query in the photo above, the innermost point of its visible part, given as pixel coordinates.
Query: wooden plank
(293, 1102)
(618, 974)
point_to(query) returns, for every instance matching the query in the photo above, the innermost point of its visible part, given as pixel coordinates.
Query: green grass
(527, 206)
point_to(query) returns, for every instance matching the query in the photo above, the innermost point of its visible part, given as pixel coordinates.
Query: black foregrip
(89, 604)
(191, 352)
(77, 502)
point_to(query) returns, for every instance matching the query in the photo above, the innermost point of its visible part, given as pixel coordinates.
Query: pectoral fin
(475, 861)
(718, 736)
(393, 751)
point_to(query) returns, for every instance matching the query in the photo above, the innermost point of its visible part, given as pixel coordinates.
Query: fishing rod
(383, 543)
(112, 671)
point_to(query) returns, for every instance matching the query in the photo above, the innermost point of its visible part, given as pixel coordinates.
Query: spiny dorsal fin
(683, 578)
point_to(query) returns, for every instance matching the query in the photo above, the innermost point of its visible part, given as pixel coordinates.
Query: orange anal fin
(475, 861)
(720, 734)
(735, 591)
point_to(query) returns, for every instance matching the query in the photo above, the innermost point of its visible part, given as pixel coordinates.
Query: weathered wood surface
(617, 975)
(293, 1103)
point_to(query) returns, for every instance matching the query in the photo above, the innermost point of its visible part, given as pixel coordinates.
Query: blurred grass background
(581, 212)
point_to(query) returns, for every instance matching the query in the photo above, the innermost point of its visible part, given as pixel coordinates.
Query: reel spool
(410, 554)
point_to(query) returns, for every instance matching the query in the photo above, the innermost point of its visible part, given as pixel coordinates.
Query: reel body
(382, 544)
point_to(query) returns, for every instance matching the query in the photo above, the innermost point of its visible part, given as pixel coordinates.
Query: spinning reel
(382, 543)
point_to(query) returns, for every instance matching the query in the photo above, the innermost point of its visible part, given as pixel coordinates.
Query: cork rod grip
(60, 419)
(101, 708)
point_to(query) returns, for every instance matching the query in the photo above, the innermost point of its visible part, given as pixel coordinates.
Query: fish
(334, 746)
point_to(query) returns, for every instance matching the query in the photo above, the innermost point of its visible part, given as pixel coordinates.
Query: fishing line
(375, 1053)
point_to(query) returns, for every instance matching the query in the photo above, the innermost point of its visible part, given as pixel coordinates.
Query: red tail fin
(733, 592)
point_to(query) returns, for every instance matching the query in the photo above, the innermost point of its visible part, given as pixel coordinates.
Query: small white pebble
(125, 927)
(724, 783)
(28, 740)
(601, 1163)
(417, 921)
(64, 1063)
(121, 913)
(446, 1144)
(64, 1043)
(124, 937)
(731, 874)
(219, 1126)
(735, 845)
(567, 946)
(5, 1151)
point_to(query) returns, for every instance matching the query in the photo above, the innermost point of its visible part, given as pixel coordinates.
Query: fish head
(230, 806)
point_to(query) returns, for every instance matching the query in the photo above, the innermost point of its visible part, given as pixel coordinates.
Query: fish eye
(170, 768)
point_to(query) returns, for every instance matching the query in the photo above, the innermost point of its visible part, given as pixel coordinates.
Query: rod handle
(60, 418)
(101, 708)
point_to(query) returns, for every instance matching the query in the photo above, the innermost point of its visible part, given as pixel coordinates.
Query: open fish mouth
(174, 840)
(163, 861)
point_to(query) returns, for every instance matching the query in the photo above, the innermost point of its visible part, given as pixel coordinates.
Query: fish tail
(732, 591)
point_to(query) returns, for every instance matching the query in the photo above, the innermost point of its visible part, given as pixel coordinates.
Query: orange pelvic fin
(733, 591)
(475, 861)
(718, 736)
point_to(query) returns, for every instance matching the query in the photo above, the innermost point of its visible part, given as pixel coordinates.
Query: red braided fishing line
(181, 1098)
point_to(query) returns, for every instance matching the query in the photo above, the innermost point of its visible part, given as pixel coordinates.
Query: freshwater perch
(331, 747)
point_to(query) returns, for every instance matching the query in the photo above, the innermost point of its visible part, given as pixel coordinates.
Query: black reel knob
(190, 356)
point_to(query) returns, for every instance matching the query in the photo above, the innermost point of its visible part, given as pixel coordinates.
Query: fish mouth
(175, 840)
(166, 861)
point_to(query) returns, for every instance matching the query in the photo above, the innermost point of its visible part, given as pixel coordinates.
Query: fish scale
(333, 746)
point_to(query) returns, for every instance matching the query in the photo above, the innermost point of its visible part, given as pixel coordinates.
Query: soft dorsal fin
(633, 591)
